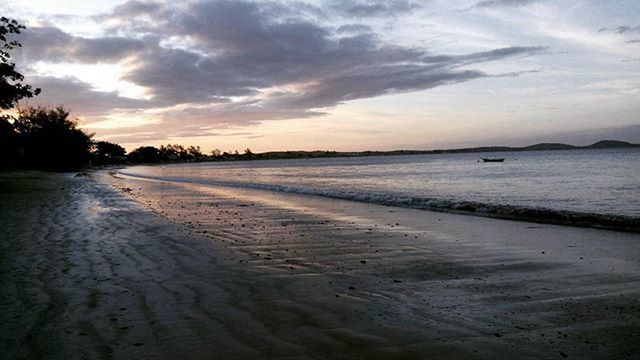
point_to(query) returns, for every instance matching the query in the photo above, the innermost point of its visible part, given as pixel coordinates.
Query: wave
(501, 211)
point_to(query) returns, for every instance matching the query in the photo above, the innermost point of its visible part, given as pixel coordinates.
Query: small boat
(492, 160)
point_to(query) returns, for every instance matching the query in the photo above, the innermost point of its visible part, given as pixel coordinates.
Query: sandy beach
(109, 267)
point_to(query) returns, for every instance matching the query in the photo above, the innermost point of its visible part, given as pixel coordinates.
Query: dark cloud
(135, 8)
(627, 29)
(622, 29)
(180, 76)
(51, 44)
(81, 98)
(239, 62)
(252, 50)
(354, 29)
(503, 3)
(373, 8)
(385, 80)
(501, 53)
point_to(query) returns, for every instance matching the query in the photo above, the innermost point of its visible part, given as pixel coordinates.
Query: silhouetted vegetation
(106, 153)
(144, 154)
(44, 138)
(39, 138)
(166, 153)
(11, 88)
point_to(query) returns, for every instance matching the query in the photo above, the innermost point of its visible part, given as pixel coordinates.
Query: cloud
(373, 8)
(622, 29)
(372, 81)
(354, 29)
(81, 98)
(135, 8)
(253, 51)
(627, 29)
(503, 3)
(209, 65)
(48, 43)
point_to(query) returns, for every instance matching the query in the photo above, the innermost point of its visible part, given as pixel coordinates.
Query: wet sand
(128, 269)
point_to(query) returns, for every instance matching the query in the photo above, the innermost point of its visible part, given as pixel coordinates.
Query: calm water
(603, 182)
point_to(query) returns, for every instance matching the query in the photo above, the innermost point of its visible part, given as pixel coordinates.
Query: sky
(341, 75)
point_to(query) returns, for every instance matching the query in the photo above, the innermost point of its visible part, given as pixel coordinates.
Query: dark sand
(88, 272)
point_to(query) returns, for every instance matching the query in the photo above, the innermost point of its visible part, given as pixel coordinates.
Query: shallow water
(543, 183)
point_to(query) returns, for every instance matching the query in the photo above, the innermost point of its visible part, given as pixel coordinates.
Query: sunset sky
(337, 74)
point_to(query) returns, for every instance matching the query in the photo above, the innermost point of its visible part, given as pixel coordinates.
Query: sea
(594, 188)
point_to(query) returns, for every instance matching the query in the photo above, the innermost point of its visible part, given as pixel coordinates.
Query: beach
(104, 266)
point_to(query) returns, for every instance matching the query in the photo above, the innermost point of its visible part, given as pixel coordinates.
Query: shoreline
(204, 272)
(534, 215)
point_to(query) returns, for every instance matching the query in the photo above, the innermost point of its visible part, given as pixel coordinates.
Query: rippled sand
(118, 268)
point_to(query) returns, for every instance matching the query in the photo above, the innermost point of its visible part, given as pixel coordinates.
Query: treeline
(49, 139)
(40, 138)
(177, 153)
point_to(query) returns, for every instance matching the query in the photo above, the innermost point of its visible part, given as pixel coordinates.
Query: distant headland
(602, 144)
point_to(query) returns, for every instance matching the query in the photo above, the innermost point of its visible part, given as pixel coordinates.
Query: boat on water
(492, 160)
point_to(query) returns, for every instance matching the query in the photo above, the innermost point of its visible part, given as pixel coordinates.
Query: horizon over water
(595, 188)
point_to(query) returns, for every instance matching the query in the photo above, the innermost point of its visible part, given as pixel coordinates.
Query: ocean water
(581, 187)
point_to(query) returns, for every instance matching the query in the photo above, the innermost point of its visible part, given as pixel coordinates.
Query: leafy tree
(248, 154)
(11, 88)
(105, 152)
(48, 139)
(175, 152)
(169, 152)
(144, 154)
(194, 152)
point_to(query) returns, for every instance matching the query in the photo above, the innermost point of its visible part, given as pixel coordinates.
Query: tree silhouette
(144, 154)
(105, 152)
(194, 152)
(48, 139)
(11, 89)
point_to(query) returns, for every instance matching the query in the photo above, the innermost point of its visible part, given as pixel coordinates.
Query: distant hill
(548, 146)
(603, 144)
(610, 144)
